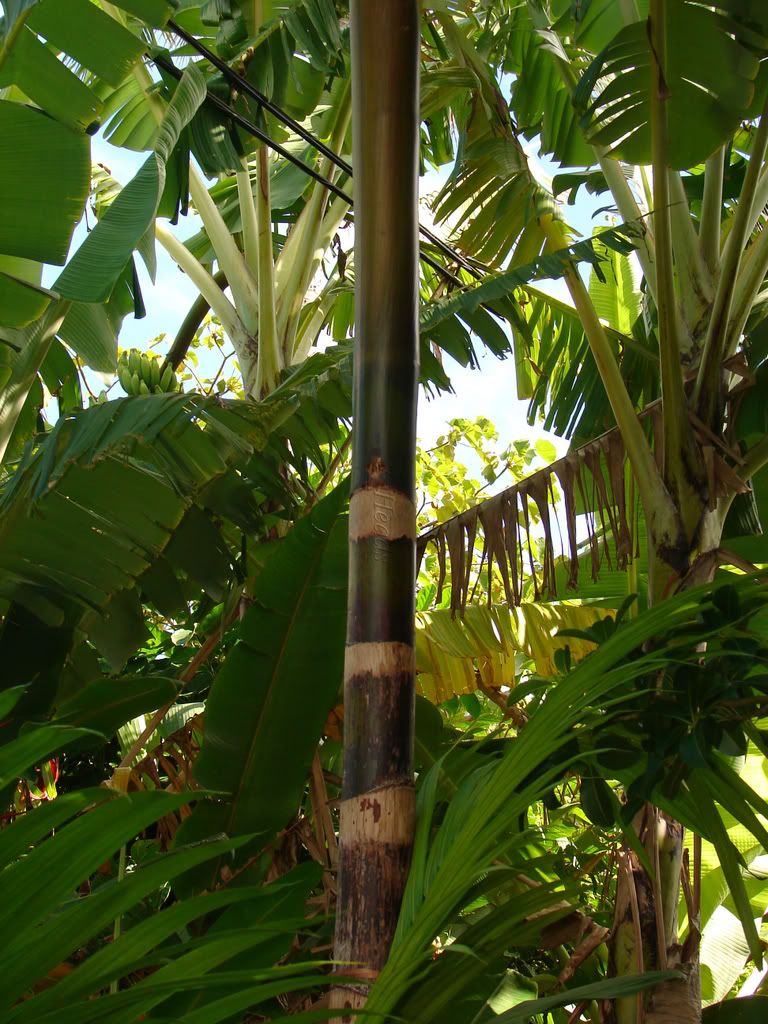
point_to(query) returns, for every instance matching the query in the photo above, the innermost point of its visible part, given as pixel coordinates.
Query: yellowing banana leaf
(456, 656)
(539, 624)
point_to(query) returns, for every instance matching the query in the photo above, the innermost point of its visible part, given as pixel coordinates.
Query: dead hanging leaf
(616, 459)
(565, 475)
(727, 481)
(523, 530)
(595, 479)
(334, 725)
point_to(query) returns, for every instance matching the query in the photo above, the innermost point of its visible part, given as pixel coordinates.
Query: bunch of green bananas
(141, 374)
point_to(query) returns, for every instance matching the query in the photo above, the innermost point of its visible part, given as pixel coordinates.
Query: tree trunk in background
(377, 808)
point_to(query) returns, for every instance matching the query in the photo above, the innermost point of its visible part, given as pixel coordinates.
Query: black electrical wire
(244, 86)
(252, 129)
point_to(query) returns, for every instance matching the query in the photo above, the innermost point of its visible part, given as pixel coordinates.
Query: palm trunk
(377, 806)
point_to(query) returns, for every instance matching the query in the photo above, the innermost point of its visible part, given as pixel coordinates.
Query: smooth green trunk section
(679, 454)
(385, 150)
(378, 734)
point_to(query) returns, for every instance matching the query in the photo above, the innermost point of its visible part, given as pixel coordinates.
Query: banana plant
(604, 83)
(610, 94)
(262, 318)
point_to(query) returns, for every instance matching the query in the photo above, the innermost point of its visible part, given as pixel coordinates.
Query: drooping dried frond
(525, 528)
(524, 531)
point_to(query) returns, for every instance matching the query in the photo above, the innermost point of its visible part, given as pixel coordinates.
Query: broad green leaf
(598, 802)
(752, 1010)
(153, 12)
(545, 450)
(714, 830)
(616, 297)
(92, 272)
(21, 396)
(38, 210)
(49, 83)
(117, 629)
(540, 94)
(89, 332)
(100, 500)
(514, 989)
(549, 265)
(724, 954)
(290, 649)
(129, 116)
(9, 698)
(106, 704)
(20, 301)
(711, 86)
(87, 34)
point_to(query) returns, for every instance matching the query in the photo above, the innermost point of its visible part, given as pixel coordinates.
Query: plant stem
(754, 267)
(231, 260)
(694, 278)
(677, 439)
(306, 244)
(631, 213)
(622, 194)
(190, 325)
(270, 356)
(248, 217)
(205, 284)
(652, 491)
(759, 202)
(706, 392)
(328, 475)
(711, 210)
(755, 459)
(312, 327)
(653, 494)
(10, 39)
(628, 11)
(328, 228)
